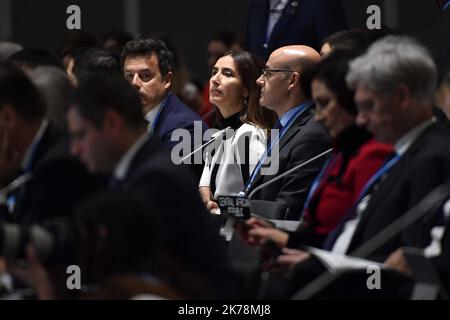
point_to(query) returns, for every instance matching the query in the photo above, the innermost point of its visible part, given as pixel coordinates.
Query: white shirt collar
(123, 165)
(408, 138)
(27, 158)
(151, 115)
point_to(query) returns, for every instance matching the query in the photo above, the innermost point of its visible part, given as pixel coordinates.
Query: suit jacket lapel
(166, 106)
(383, 192)
(388, 184)
(295, 127)
(292, 131)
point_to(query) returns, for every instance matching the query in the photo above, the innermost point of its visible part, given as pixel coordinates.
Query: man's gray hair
(391, 61)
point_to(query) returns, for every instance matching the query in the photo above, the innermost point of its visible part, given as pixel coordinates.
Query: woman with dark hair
(356, 157)
(233, 90)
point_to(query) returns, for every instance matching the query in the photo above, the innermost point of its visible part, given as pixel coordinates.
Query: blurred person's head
(148, 65)
(119, 234)
(72, 40)
(281, 80)
(21, 113)
(104, 118)
(192, 94)
(115, 40)
(8, 48)
(92, 61)
(29, 59)
(218, 45)
(334, 102)
(395, 82)
(55, 87)
(354, 39)
(233, 88)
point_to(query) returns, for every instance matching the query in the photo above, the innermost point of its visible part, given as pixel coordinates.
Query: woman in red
(356, 157)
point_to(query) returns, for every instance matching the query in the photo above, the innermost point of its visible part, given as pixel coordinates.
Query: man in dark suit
(433, 38)
(148, 65)
(272, 24)
(37, 151)
(396, 106)
(300, 137)
(109, 134)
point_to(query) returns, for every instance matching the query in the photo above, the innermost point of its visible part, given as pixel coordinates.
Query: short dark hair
(145, 47)
(73, 39)
(120, 36)
(18, 90)
(90, 61)
(100, 93)
(332, 71)
(33, 58)
(353, 39)
(228, 38)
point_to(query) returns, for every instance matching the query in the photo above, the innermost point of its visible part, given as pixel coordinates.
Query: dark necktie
(278, 126)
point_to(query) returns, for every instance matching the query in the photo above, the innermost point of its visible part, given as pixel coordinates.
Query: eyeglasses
(267, 72)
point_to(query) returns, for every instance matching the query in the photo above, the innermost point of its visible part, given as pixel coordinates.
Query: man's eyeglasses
(268, 72)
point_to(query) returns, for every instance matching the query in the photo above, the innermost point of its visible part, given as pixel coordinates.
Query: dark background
(189, 24)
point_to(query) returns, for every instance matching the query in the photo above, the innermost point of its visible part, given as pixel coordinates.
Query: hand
(258, 235)
(33, 274)
(398, 262)
(291, 257)
(256, 231)
(212, 207)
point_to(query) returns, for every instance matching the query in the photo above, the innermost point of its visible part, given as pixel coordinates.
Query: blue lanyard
(163, 104)
(373, 180)
(263, 158)
(328, 165)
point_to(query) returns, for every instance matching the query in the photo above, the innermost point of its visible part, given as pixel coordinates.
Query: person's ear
(168, 80)
(403, 95)
(294, 80)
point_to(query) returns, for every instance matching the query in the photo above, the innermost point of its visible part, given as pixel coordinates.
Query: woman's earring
(246, 101)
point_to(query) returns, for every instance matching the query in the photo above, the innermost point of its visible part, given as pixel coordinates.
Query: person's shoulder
(311, 129)
(435, 139)
(178, 107)
(180, 116)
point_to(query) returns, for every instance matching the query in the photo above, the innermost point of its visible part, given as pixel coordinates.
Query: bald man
(300, 137)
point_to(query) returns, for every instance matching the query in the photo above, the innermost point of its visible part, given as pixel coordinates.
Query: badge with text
(234, 206)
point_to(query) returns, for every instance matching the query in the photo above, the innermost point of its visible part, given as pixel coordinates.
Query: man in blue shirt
(300, 137)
